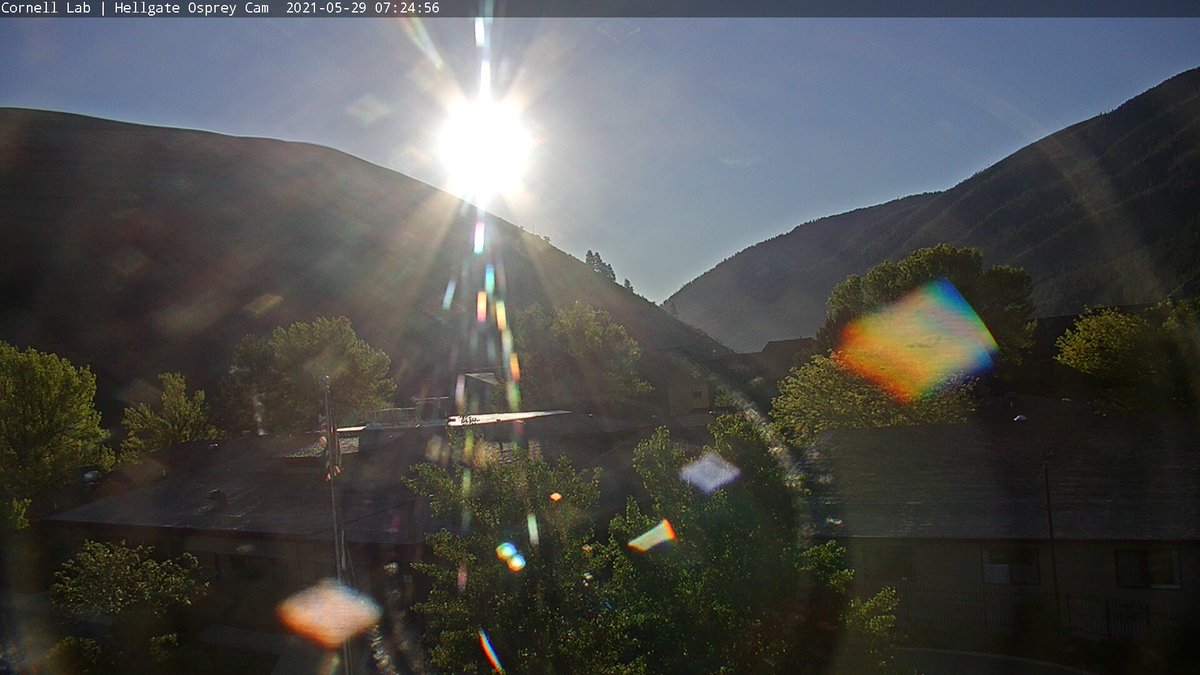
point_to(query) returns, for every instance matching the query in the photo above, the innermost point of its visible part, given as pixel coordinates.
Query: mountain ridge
(1104, 211)
(138, 250)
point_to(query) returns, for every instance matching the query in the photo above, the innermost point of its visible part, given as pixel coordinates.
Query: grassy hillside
(1104, 212)
(137, 250)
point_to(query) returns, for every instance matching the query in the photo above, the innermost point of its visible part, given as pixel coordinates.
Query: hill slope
(137, 250)
(1104, 212)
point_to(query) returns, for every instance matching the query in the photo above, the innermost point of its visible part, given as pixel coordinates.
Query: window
(1011, 565)
(1146, 568)
(888, 562)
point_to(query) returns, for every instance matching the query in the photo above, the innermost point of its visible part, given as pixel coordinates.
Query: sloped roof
(268, 486)
(1107, 480)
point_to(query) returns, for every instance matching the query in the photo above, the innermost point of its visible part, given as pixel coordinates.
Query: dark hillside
(137, 250)
(1106, 212)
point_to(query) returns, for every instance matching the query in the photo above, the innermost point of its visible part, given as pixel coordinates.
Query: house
(1090, 522)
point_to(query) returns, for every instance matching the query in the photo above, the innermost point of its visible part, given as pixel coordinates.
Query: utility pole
(333, 469)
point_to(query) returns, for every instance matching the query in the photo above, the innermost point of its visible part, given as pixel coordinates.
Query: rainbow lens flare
(511, 557)
(660, 533)
(918, 344)
(489, 652)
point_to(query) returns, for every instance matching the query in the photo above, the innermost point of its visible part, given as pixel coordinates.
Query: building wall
(957, 584)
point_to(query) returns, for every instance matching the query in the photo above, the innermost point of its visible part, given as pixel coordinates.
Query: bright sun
(485, 148)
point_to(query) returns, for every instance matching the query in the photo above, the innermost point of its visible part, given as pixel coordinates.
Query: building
(1087, 521)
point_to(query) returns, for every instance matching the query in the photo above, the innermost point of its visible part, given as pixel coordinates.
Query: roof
(271, 486)
(1103, 479)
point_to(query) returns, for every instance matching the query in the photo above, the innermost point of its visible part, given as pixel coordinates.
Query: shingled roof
(1107, 480)
(271, 486)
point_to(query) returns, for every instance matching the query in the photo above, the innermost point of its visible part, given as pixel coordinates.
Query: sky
(667, 145)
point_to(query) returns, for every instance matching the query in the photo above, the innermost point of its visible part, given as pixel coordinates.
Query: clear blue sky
(667, 145)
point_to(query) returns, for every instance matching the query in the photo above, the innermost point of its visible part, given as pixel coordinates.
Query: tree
(629, 285)
(539, 611)
(105, 579)
(739, 590)
(139, 594)
(279, 383)
(600, 267)
(577, 354)
(49, 424)
(999, 294)
(821, 395)
(1134, 362)
(178, 420)
(241, 391)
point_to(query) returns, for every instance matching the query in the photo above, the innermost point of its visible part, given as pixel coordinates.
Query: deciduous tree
(999, 294)
(577, 355)
(737, 590)
(278, 384)
(103, 579)
(179, 419)
(49, 424)
(740, 589)
(1135, 362)
(821, 395)
(540, 603)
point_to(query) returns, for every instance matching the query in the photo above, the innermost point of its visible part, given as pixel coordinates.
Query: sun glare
(485, 149)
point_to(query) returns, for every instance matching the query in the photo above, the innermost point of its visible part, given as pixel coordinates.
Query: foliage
(76, 655)
(240, 394)
(544, 617)
(999, 294)
(820, 395)
(577, 353)
(14, 514)
(737, 591)
(594, 261)
(49, 424)
(279, 383)
(1136, 362)
(178, 420)
(105, 579)
(871, 633)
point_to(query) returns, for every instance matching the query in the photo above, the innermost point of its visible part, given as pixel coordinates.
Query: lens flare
(328, 613)
(532, 526)
(514, 367)
(660, 533)
(506, 551)
(481, 306)
(490, 653)
(926, 340)
(502, 324)
(516, 563)
(480, 231)
(709, 473)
